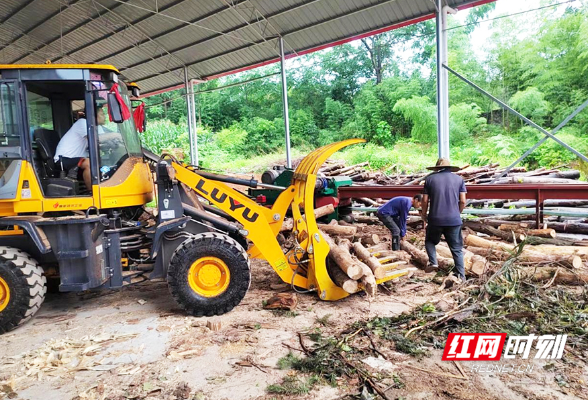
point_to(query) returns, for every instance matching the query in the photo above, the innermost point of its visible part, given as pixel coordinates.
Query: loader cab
(39, 105)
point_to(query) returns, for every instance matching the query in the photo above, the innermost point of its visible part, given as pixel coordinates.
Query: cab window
(9, 132)
(39, 111)
(117, 141)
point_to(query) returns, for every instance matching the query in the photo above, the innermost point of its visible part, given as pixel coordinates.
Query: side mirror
(114, 108)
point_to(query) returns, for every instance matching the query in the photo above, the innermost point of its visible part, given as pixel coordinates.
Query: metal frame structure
(191, 120)
(167, 44)
(548, 135)
(285, 103)
(151, 41)
(537, 192)
(442, 80)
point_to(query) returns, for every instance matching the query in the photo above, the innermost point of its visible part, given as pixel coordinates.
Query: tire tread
(33, 285)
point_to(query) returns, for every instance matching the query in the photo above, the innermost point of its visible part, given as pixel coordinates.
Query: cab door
(12, 149)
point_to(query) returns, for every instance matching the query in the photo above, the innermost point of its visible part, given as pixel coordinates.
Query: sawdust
(62, 356)
(187, 341)
(226, 364)
(230, 350)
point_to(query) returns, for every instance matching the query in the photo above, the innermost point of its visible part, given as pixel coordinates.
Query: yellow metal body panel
(12, 232)
(27, 200)
(131, 185)
(306, 228)
(60, 66)
(262, 224)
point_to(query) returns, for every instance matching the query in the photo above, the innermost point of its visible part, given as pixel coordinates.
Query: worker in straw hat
(444, 198)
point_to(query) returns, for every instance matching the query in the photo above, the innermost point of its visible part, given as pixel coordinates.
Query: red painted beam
(523, 191)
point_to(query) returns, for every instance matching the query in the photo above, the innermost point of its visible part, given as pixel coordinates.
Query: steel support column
(285, 102)
(191, 118)
(442, 82)
(194, 142)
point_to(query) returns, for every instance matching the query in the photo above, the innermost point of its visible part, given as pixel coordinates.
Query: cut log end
(341, 256)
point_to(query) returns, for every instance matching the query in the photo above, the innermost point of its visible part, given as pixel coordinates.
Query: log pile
(355, 266)
(483, 256)
(555, 253)
(361, 175)
(490, 242)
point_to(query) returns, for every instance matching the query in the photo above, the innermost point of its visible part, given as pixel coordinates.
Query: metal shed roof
(150, 41)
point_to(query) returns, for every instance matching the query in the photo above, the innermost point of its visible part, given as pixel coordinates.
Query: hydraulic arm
(304, 265)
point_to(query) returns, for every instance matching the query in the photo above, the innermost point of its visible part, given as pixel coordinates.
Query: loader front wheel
(209, 274)
(22, 287)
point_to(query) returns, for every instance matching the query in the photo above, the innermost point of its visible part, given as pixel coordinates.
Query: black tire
(26, 284)
(240, 239)
(216, 245)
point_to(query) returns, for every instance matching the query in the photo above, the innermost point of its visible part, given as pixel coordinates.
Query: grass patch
(293, 385)
(403, 157)
(236, 164)
(324, 320)
(285, 313)
(288, 361)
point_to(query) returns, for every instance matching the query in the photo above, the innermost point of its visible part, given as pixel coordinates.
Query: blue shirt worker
(444, 198)
(394, 214)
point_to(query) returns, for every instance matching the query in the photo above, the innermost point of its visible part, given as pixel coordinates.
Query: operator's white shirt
(74, 143)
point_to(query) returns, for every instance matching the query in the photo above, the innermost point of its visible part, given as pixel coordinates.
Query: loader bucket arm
(303, 266)
(306, 229)
(260, 225)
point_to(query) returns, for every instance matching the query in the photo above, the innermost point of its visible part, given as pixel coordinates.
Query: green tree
(423, 116)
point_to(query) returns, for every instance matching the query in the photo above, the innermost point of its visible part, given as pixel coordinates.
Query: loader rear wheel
(22, 287)
(209, 274)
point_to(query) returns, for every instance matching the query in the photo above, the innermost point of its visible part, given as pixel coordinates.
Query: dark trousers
(389, 222)
(453, 238)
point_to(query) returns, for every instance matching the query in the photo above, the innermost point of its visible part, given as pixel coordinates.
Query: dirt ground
(136, 344)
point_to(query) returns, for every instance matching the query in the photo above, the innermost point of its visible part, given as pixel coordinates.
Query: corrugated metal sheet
(151, 40)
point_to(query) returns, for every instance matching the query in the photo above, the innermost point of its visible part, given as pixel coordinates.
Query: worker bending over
(394, 214)
(446, 194)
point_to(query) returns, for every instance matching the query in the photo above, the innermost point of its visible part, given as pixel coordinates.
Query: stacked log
(288, 223)
(341, 256)
(360, 174)
(567, 255)
(371, 261)
(355, 266)
(578, 226)
(420, 257)
(561, 242)
(474, 264)
(506, 235)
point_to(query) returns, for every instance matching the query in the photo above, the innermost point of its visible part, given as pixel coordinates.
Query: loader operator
(394, 214)
(72, 150)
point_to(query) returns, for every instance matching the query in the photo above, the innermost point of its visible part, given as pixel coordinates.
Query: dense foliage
(383, 89)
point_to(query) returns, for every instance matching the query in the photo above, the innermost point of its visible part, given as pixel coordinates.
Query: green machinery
(326, 190)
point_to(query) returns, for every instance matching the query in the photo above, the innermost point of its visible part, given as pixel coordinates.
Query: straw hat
(443, 163)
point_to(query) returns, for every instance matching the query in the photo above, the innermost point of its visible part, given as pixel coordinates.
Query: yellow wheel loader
(85, 225)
